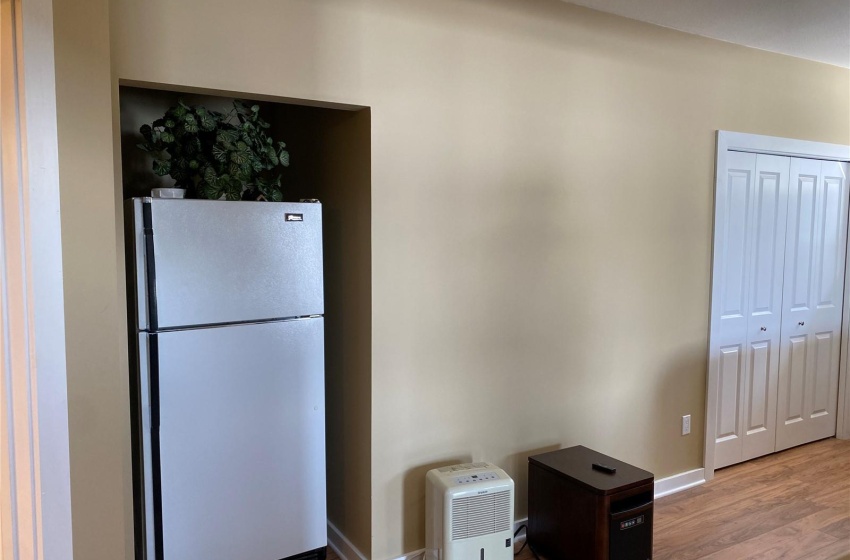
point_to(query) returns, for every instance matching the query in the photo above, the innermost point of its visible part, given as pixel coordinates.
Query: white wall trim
(344, 548)
(517, 524)
(842, 427)
(774, 145)
(35, 495)
(679, 482)
(755, 143)
(415, 555)
(45, 234)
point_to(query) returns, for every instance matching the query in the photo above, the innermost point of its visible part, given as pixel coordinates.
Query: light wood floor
(793, 505)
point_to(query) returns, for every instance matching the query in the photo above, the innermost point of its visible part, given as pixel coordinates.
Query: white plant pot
(168, 193)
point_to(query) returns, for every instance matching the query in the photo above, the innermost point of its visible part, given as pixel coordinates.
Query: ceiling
(812, 29)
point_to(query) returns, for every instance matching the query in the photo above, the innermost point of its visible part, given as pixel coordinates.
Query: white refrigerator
(227, 384)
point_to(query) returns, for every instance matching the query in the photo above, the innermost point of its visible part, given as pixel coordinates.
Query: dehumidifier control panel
(476, 477)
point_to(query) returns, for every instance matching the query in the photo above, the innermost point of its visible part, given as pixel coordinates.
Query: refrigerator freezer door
(241, 440)
(226, 262)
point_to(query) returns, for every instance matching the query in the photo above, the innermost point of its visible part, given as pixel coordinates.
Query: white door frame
(35, 477)
(755, 143)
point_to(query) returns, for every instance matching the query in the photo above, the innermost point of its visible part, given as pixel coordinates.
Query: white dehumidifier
(469, 513)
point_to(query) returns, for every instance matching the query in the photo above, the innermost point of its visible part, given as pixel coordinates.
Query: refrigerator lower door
(240, 456)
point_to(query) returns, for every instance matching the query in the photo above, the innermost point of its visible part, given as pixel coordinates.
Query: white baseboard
(343, 547)
(415, 555)
(517, 524)
(419, 554)
(679, 482)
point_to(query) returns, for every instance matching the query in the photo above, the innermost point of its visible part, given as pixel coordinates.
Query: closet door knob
(801, 323)
(764, 328)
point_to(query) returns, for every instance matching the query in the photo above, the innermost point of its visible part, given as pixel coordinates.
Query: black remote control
(604, 468)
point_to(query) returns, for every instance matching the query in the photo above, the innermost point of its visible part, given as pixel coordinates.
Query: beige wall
(541, 218)
(95, 316)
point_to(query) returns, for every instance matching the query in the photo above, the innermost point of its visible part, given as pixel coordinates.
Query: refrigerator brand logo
(294, 217)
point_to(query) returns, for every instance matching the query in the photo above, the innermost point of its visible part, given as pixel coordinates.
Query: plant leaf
(161, 167)
(219, 153)
(207, 122)
(211, 192)
(190, 124)
(227, 136)
(210, 176)
(238, 157)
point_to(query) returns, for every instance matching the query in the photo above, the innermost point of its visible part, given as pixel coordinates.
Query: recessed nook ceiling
(811, 29)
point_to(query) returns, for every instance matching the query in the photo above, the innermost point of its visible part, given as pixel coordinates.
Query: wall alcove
(330, 147)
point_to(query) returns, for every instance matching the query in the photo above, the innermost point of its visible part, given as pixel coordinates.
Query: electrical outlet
(686, 424)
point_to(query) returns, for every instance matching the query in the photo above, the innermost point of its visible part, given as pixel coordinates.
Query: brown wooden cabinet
(576, 512)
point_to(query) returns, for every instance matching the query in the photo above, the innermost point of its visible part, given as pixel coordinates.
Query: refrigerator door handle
(150, 267)
(147, 364)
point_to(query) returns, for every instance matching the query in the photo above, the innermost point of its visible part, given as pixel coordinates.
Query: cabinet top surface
(576, 463)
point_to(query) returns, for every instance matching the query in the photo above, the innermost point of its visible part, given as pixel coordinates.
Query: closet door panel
(731, 378)
(801, 239)
(823, 395)
(734, 246)
(826, 360)
(770, 204)
(749, 257)
(797, 363)
(811, 321)
(833, 233)
(758, 401)
(732, 256)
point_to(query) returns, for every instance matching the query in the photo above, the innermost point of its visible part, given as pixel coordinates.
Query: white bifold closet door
(812, 303)
(749, 259)
(780, 243)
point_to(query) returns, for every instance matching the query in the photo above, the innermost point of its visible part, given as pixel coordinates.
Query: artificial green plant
(215, 155)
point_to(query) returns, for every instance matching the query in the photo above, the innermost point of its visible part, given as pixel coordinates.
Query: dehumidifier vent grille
(481, 515)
